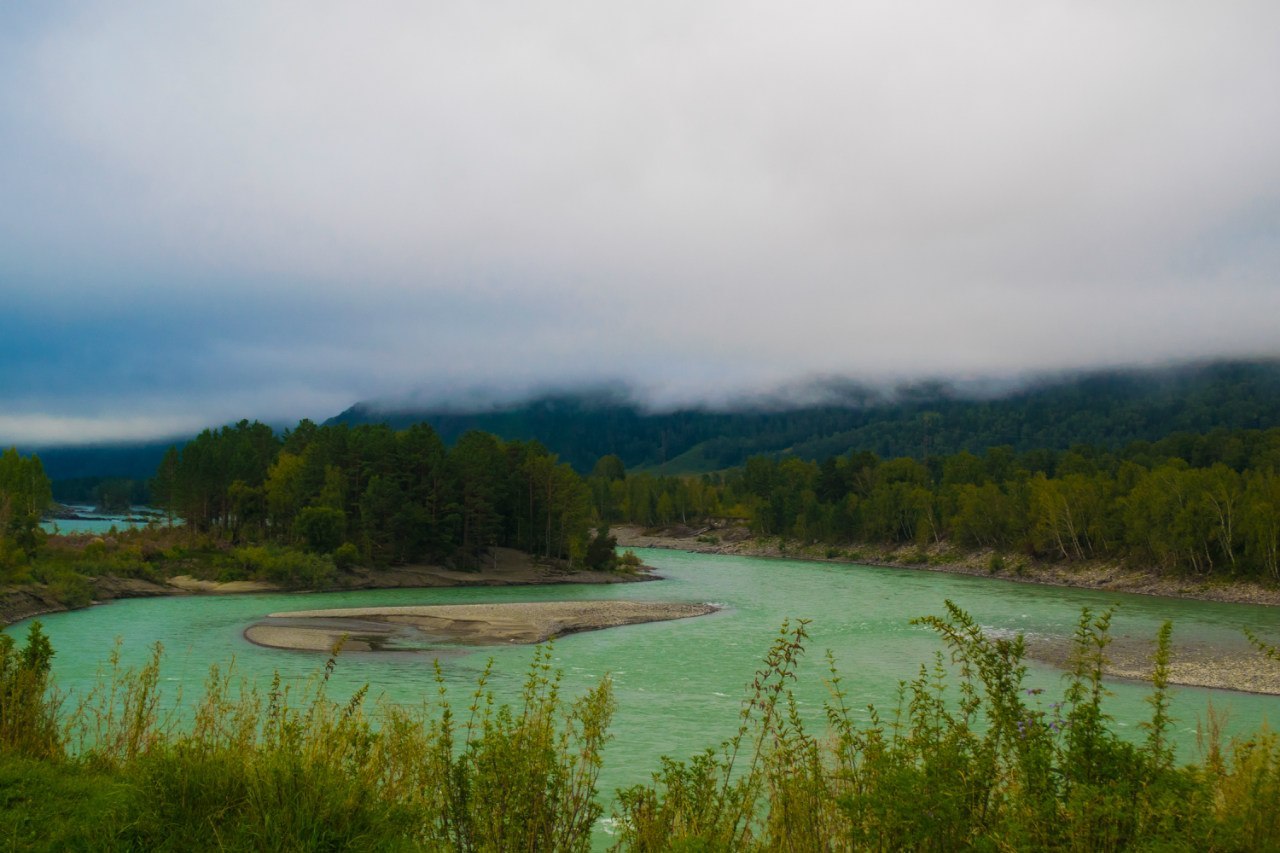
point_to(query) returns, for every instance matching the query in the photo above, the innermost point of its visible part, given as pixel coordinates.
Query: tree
(164, 486)
(25, 495)
(285, 491)
(321, 528)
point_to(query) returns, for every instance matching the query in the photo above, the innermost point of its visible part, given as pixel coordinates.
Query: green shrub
(68, 587)
(28, 715)
(346, 556)
(283, 565)
(629, 562)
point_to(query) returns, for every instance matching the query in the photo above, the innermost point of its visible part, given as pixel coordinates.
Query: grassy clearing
(968, 759)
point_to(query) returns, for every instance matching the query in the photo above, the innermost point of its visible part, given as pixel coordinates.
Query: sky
(215, 211)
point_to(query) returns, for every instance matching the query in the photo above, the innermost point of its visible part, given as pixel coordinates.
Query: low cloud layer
(274, 209)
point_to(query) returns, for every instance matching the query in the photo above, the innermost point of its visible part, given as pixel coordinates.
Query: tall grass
(279, 769)
(968, 758)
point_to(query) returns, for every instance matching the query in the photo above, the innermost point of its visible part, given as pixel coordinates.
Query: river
(679, 684)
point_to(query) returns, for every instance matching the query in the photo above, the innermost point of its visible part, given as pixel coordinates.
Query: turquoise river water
(680, 684)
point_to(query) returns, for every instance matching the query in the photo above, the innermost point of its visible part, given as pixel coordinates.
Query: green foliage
(57, 806)
(986, 767)
(28, 716)
(601, 554)
(25, 495)
(1109, 409)
(396, 496)
(320, 528)
(272, 770)
(969, 759)
(283, 565)
(1141, 506)
(346, 556)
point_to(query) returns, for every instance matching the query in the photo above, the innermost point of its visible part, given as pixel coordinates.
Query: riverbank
(507, 567)
(1193, 664)
(1097, 574)
(415, 627)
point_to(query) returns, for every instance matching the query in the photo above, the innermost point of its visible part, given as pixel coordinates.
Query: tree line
(24, 497)
(1104, 408)
(1207, 504)
(389, 496)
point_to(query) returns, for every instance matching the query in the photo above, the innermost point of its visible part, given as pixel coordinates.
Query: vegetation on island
(298, 509)
(968, 759)
(378, 495)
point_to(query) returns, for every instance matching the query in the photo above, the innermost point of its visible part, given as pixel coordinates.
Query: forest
(1106, 409)
(1206, 504)
(378, 495)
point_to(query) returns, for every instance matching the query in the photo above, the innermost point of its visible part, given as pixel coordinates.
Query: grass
(968, 758)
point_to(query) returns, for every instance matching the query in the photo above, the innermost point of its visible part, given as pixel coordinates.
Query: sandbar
(1192, 664)
(417, 627)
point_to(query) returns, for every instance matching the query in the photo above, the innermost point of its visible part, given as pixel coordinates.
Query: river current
(680, 684)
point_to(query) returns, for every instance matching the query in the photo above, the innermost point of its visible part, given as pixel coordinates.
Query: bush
(66, 586)
(629, 562)
(28, 716)
(286, 566)
(346, 556)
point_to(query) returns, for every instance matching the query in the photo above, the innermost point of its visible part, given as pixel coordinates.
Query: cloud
(48, 430)
(282, 207)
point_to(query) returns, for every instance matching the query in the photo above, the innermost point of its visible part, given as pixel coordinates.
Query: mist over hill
(810, 420)
(1107, 408)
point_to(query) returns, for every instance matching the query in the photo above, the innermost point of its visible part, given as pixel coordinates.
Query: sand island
(416, 627)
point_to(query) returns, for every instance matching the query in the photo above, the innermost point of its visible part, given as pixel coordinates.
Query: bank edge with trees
(1202, 504)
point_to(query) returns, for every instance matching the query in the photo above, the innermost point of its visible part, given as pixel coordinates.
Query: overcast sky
(211, 211)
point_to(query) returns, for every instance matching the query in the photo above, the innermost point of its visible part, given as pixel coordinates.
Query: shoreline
(1096, 575)
(508, 568)
(422, 627)
(1192, 664)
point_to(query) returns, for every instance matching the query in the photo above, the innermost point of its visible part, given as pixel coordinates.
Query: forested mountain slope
(1105, 409)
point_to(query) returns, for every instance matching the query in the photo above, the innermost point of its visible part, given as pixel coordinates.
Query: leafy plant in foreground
(969, 759)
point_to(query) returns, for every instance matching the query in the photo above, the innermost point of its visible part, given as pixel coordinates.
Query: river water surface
(679, 685)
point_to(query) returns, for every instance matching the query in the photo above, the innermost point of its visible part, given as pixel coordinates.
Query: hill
(1103, 408)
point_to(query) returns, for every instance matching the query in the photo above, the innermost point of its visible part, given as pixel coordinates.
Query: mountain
(77, 470)
(1105, 408)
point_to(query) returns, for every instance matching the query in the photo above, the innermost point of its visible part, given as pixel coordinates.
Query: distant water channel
(679, 684)
(89, 520)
